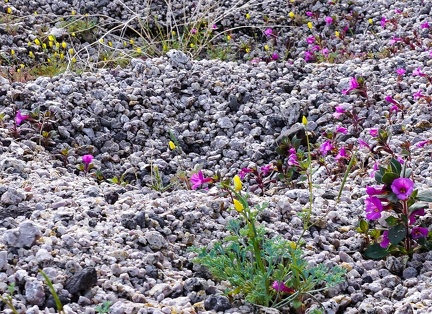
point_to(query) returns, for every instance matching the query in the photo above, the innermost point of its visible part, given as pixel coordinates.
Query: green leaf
(392, 221)
(388, 177)
(416, 206)
(397, 234)
(407, 173)
(363, 226)
(425, 196)
(395, 166)
(375, 251)
(378, 177)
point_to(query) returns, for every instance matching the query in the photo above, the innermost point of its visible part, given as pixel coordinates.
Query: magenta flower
(383, 22)
(394, 108)
(354, 84)
(244, 171)
(412, 217)
(328, 20)
(309, 13)
(418, 72)
(385, 241)
(87, 159)
(268, 32)
(341, 129)
(395, 40)
(419, 232)
(418, 94)
(398, 11)
(275, 56)
(400, 71)
(371, 191)
(423, 143)
(279, 286)
(374, 207)
(326, 147)
(315, 48)
(309, 56)
(310, 39)
(292, 159)
(373, 132)
(197, 179)
(402, 187)
(193, 31)
(266, 169)
(19, 118)
(339, 110)
(341, 154)
(425, 25)
(214, 27)
(374, 169)
(325, 52)
(391, 100)
(363, 144)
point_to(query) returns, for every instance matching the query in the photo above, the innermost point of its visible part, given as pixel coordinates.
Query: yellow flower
(18, 70)
(44, 46)
(62, 56)
(73, 34)
(337, 33)
(31, 54)
(138, 50)
(9, 10)
(291, 14)
(110, 44)
(37, 42)
(237, 183)
(370, 21)
(304, 120)
(310, 25)
(22, 66)
(12, 52)
(292, 244)
(247, 16)
(50, 43)
(64, 45)
(248, 49)
(131, 41)
(192, 45)
(173, 33)
(228, 37)
(238, 206)
(266, 47)
(29, 43)
(51, 38)
(57, 45)
(73, 59)
(171, 145)
(71, 51)
(35, 13)
(101, 40)
(73, 12)
(49, 60)
(125, 44)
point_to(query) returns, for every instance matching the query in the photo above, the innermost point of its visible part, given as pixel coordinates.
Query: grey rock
(217, 303)
(399, 292)
(155, 240)
(225, 123)
(405, 309)
(3, 260)
(409, 272)
(12, 197)
(34, 291)
(179, 59)
(24, 236)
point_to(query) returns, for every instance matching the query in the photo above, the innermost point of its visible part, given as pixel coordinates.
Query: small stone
(409, 272)
(3, 260)
(23, 236)
(34, 291)
(12, 197)
(217, 303)
(155, 240)
(82, 280)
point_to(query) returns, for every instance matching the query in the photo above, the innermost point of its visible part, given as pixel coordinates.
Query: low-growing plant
(266, 271)
(7, 298)
(104, 307)
(59, 305)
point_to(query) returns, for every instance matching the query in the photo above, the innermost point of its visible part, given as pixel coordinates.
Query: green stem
(351, 163)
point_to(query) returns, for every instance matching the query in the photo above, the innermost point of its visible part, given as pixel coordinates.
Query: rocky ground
(128, 244)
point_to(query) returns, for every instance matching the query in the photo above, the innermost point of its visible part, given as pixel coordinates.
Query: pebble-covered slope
(128, 245)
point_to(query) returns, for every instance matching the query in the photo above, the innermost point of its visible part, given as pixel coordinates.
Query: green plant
(267, 271)
(57, 301)
(119, 181)
(7, 298)
(104, 307)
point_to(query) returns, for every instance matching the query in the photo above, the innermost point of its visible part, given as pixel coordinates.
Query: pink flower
(373, 132)
(371, 191)
(374, 207)
(341, 154)
(325, 52)
(326, 147)
(193, 31)
(19, 118)
(87, 159)
(244, 171)
(383, 22)
(363, 144)
(266, 169)
(309, 13)
(425, 25)
(197, 179)
(328, 20)
(419, 232)
(385, 241)
(374, 169)
(309, 56)
(418, 72)
(412, 217)
(339, 110)
(397, 11)
(395, 40)
(418, 94)
(275, 56)
(268, 32)
(315, 48)
(354, 84)
(400, 71)
(214, 27)
(292, 159)
(391, 100)
(279, 286)
(423, 143)
(402, 187)
(310, 39)
(341, 129)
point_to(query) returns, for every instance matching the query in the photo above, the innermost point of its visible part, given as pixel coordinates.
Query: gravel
(128, 244)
